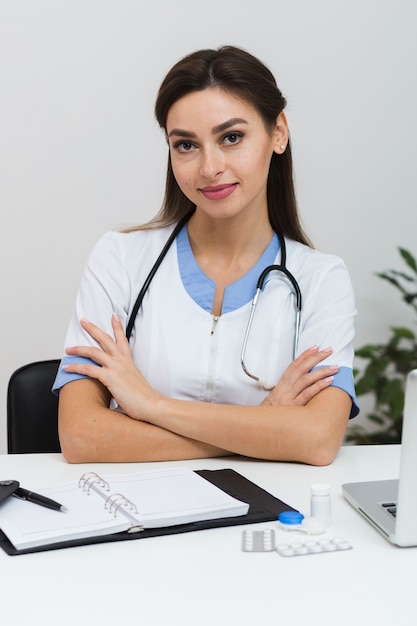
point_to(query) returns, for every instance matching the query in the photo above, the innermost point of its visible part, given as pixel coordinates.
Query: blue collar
(201, 288)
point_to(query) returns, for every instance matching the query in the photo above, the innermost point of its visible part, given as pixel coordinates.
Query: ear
(281, 133)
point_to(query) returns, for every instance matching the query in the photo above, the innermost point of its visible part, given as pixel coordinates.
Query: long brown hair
(239, 73)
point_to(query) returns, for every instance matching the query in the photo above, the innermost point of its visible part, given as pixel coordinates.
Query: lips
(219, 192)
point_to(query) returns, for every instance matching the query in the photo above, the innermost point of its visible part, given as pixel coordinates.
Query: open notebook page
(161, 497)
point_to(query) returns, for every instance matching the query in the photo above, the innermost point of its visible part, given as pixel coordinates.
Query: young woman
(204, 372)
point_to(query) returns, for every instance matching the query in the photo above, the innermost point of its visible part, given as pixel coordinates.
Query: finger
(120, 335)
(310, 392)
(313, 377)
(85, 369)
(312, 357)
(303, 390)
(89, 352)
(317, 374)
(90, 371)
(103, 339)
(305, 363)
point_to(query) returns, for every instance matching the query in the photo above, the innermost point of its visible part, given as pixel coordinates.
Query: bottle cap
(290, 518)
(320, 489)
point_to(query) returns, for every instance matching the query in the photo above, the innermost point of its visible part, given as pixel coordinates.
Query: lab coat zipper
(215, 320)
(212, 360)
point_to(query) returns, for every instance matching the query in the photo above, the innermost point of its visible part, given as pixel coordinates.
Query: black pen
(36, 498)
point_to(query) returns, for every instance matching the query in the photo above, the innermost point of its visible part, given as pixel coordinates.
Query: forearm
(91, 432)
(309, 434)
(303, 419)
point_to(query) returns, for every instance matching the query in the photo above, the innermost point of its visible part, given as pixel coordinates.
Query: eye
(183, 146)
(232, 138)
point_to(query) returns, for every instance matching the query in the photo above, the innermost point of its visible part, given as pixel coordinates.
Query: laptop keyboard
(390, 507)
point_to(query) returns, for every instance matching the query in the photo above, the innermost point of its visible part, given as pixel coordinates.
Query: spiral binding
(114, 502)
(91, 478)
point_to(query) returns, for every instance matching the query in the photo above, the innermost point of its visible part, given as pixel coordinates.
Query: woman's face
(221, 151)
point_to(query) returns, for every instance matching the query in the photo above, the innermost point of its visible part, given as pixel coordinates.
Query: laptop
(391, 505)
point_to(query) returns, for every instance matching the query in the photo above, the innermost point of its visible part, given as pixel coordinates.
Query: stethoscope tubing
(154, 269)
(259, 288)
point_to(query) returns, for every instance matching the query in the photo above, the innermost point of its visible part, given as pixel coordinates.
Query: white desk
(203, 578)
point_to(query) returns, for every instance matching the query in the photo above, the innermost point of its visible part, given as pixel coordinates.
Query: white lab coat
(183, 351)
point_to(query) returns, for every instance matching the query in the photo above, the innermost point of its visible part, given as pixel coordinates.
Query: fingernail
(116, 317)
(314, 348)
(329, 379)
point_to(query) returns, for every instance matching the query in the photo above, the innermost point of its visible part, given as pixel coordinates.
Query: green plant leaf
(400, 331)
(393, 396)
(409, 259)
(375, 418)
(391, 280)
(409, 298)
(402, 275)
(367, 352)
(366, 384)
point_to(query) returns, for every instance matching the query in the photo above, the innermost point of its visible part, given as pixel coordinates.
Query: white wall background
(80, 152)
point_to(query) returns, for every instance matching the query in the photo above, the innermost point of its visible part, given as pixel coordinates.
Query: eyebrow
(217, 129)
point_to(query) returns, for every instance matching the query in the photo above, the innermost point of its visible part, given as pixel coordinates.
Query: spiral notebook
(99, 505)
(263, 507)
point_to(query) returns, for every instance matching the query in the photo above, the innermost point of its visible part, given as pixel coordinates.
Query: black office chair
(32, 409)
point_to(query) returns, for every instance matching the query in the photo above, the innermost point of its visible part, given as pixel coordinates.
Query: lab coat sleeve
(105, 288)
(328, 315)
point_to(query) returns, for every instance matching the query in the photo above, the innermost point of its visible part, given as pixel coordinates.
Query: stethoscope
(259, 287)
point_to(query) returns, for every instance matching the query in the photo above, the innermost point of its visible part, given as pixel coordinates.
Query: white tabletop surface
(203, 577)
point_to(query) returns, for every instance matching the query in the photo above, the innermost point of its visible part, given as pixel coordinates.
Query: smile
(219, 192)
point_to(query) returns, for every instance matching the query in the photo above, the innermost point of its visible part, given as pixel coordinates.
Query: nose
(211, 163)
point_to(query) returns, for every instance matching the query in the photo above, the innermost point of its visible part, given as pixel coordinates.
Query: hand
(115, 369)
(299, 384)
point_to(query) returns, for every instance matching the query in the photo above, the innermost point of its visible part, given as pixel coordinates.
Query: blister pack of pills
(298, 548)
(258, 540)
(264, 541)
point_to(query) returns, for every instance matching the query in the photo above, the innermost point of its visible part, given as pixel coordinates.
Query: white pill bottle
(321, 503)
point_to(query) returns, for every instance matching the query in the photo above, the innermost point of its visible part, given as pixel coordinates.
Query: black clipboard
(263, 507)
